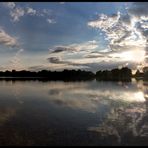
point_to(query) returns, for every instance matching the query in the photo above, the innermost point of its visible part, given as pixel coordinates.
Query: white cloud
(86, 56)
(10, 5)
(31, 11)
(118, 32)
(17, 13)
(85, 46)
(51, 21)
(68, 56)
(104, 22)
(46, 12)
(7, 40)
(126, 33)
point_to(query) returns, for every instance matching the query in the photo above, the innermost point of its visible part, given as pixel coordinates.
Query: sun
(134, 56)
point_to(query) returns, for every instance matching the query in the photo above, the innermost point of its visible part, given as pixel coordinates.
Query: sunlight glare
(135, 56)
(139, 97)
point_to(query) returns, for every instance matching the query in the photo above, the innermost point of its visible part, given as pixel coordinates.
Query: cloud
(94, 56)
(55, 60)
(126, 18)
(51, 21)
(58, 49)
(125, 32)
(36, 68)
(92, 64)
(58, 60)
(7, 40)
(55, 67)
(88, 45)
(116, 30)
(58, 63)
(91, 95)
(9, 5)
(119, 30)
(69, 55)
(104, 22)
(17, 13)
(97, 55)
(139, 9)
(31, 11)
(92, 59)
(46, 12)
(16, 61)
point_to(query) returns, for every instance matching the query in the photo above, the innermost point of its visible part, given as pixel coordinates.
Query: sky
(73, 35)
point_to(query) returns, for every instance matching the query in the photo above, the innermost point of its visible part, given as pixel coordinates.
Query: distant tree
(115, 74)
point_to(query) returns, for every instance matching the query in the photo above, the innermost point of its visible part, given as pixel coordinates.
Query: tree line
(123, 74)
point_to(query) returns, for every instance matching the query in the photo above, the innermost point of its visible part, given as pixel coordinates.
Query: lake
(73, 113)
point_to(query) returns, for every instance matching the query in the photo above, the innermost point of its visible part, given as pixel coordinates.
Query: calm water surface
(73, 113)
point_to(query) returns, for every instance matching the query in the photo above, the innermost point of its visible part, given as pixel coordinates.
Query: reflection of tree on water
(127, 125)
(123, 103)
(144, 121)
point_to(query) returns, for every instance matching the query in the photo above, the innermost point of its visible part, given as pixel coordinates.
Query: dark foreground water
(73, 113)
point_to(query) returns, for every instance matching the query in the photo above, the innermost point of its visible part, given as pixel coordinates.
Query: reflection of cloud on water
(59, 85)
(6, 113)
(122, 106)
(87, 96)
(10, 99)
(76, 103)
(54, 92)
(124, 124)
(82, 96)
(126, 118)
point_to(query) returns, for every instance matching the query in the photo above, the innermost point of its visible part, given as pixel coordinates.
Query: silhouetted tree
(138, 74)
(123, 74)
